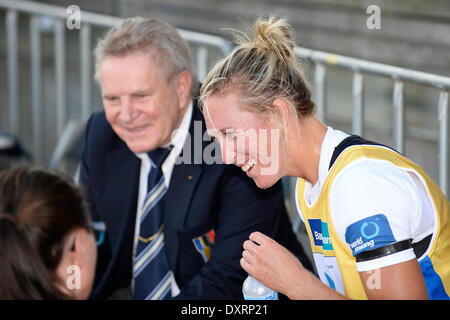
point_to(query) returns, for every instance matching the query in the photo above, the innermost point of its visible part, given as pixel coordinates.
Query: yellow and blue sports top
(371, 208)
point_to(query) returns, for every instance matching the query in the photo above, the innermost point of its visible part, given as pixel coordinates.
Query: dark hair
(38, 209)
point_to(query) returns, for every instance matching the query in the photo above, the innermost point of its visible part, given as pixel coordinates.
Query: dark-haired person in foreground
(47, 244)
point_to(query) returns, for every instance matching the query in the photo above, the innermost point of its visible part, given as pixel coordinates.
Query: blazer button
(190, 178)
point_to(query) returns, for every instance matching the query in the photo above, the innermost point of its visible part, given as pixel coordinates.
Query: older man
(174, 228)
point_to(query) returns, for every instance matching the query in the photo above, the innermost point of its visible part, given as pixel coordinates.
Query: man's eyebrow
(141, 91)
(135, 92)
(107, 95)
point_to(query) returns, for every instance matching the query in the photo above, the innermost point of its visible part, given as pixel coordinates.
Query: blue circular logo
(373, 234)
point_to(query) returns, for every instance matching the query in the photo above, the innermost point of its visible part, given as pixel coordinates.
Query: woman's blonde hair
(262, 69)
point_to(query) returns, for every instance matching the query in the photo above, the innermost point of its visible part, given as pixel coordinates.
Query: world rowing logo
(370, 225)
(369, 233)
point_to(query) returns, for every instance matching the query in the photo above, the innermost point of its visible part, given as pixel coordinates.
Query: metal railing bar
(36, 87)
(443, 118)
(399, 117)
(68, 137)
(206, 39)
(202, 63)
(319, 94)
(11, 38)
(375, 68)
(32, 7)
(85, 70)
(358, 104)
(109, 21)
(60, 75)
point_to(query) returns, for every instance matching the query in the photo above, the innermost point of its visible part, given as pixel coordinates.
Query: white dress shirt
(178, 139)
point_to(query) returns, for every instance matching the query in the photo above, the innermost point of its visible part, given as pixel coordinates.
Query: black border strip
(384, 251)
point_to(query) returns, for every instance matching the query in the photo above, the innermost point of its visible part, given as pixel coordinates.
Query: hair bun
(275, 35)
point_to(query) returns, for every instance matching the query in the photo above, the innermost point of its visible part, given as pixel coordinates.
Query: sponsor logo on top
(320, 234)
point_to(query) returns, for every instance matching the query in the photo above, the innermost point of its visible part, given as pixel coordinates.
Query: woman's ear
(78, 250)
(70, 248)
(77, 267)
(69, 260)
(282, 110)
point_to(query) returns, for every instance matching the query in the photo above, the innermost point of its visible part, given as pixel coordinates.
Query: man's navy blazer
(201, 197)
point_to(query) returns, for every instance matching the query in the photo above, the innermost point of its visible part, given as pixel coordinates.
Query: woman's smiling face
(248, 140)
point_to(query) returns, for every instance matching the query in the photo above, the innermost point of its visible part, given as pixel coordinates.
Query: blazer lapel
(181, 190)
(178, 196)
(122, 169)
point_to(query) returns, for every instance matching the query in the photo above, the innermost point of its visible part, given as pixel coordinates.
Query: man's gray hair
(146, 35)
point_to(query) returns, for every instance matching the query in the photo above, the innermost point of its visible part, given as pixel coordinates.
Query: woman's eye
(232, 134)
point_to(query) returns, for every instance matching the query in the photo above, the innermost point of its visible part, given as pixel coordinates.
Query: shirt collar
(330, 142)
(181, 133)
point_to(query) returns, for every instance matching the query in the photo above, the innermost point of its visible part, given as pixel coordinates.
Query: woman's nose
(228, 152)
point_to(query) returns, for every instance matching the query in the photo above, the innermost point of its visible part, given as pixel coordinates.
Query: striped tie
(152, 276)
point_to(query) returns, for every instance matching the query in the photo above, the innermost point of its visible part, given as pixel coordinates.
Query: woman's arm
(399, 281)
(278, 269)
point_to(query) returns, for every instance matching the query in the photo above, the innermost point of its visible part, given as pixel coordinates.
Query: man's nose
(128, 111)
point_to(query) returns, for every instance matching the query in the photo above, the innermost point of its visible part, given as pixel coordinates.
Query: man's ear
(183, 85)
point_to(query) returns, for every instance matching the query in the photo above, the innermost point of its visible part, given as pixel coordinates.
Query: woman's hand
(277, 268)
(270, 263)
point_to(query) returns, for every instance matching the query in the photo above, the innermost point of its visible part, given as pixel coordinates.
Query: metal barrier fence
(88, 19)
(399, 76)
(205, 42)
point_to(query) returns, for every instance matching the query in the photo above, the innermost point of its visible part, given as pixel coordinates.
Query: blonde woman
(378, 225)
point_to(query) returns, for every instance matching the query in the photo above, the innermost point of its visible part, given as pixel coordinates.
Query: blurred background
(47, 90)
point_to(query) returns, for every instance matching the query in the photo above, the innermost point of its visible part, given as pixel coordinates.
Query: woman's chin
(264, 177)
(264, 182)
